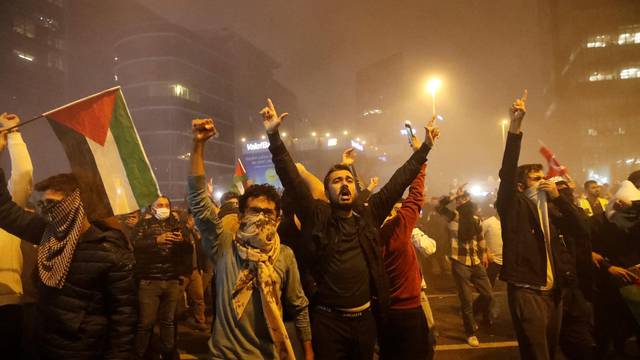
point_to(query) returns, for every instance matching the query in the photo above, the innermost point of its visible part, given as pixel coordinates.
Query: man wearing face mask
(87, 298)
(531, 246)
(256, 276)
(159, 244)
(343, 245)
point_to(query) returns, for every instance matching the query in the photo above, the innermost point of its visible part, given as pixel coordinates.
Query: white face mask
(161, 213)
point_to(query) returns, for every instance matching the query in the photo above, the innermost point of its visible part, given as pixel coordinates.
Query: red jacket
(399, 255)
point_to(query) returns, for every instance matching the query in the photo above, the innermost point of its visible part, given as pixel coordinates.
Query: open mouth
(345, 194)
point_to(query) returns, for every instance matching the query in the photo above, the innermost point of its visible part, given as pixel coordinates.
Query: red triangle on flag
(239, 170)
(90, 116)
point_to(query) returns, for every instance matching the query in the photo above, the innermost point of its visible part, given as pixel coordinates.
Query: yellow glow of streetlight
(345, 132)
(433, 85)
(327, 134)
(284, 134)
(504, 122)
(243, 139)
(313, 133)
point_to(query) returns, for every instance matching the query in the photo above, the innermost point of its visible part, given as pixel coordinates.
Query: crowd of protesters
(347, 265)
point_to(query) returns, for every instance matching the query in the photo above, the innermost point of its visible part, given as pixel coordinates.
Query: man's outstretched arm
(286, 169)
(382, 201)
(508, 182)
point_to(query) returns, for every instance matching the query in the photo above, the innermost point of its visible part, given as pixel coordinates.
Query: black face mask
(43, 207)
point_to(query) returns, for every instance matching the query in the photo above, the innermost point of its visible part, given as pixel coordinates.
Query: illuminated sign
(257, 146)
(332, 142)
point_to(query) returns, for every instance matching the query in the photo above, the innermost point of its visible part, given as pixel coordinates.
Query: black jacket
(93, 316)
(162, 263)
(319, 224)
(523, 249)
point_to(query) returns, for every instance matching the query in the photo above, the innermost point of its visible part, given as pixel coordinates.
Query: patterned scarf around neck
(539, 198)
(257, 243)
(60, 239)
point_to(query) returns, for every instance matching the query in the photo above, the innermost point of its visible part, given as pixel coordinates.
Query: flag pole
(22, 123)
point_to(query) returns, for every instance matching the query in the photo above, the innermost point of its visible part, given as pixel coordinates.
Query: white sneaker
(473, 341)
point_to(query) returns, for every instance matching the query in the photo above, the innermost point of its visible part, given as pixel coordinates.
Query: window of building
(592, 132)
(629, 38)
(630, 73)
(177, 90)
(601, 76)
(24, 26)
(598, 41)
(24, 56)
(55, 61)
(55, 42)
(47, 22)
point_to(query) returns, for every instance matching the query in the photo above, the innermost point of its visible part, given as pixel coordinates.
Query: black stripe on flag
(83, 166)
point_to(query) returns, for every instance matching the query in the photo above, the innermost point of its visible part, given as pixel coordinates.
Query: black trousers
(340, 337)
(536, 317)
(11, 331)
(576, 333)
(406, 336)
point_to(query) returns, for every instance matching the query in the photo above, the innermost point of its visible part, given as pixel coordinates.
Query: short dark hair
(64, 183)
(228, 196)
(634, 177)
(589, 182)
(334, 168)
(258, 190)
(525, 170)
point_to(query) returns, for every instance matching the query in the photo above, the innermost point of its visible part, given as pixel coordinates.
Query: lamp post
(504, 124)
(432, 87)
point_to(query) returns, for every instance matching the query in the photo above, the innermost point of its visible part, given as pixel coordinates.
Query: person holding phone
(159, 246)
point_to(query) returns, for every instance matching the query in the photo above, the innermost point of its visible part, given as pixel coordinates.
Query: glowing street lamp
(432, 87)
(504, 124)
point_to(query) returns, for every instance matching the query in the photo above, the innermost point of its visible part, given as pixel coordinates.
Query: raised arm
(17, 221)
(21, 181)
(200, 203)
(286, 169)
(382, 201)
(508, 182)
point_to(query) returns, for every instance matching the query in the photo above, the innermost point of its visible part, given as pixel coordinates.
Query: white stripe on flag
(114, 177)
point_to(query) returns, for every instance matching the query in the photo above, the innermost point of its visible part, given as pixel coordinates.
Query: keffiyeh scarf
(60, 238)
(257, 243)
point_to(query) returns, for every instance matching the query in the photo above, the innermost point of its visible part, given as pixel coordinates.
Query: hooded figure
(87, 302)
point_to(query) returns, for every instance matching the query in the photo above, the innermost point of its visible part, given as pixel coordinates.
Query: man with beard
(592, 203)
(256, 276)
(343, 246)
(87, 294)
(531, 246)
(469, 260)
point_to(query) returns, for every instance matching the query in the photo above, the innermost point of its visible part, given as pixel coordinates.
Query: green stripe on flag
(141, 179)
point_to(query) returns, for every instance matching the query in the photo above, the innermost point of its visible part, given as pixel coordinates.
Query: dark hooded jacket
(93, 316)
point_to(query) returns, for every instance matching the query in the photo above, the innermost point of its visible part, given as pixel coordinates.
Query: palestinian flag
(105, 154)
(240, 178)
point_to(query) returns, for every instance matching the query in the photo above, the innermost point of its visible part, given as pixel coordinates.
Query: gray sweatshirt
(247, 337)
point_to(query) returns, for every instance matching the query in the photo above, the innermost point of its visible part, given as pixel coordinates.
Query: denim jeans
(157, 302)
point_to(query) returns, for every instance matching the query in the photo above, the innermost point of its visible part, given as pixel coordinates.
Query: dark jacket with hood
(94, 314)
(320, 224)
(524, 248)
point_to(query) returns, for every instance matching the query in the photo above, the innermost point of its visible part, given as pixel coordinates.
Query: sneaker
(473, 341)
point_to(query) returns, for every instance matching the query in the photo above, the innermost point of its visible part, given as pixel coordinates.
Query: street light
(432, 87)
(504, 124)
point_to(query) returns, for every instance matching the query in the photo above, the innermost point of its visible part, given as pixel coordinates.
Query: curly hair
(259, 190)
